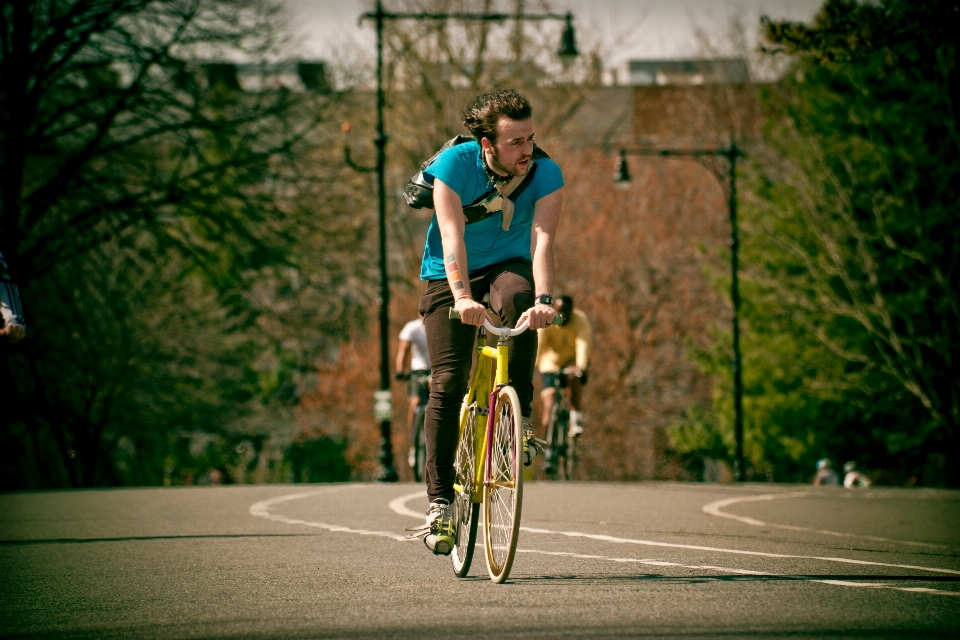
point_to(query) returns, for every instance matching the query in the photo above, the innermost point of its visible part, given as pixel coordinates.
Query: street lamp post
(567, 51)
(730, 154)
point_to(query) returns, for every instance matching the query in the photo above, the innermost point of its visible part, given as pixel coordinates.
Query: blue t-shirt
(461, 169)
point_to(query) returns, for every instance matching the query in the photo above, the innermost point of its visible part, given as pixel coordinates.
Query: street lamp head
(621, 178)
(568, 44)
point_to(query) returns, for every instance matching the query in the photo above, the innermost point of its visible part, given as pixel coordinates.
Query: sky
(630, 29)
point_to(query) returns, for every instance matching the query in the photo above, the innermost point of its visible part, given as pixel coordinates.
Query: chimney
(314, 76)
(222, 74)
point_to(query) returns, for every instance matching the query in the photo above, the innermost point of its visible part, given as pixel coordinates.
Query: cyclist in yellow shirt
(565, 350)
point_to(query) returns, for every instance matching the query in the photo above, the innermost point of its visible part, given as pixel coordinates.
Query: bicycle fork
(500, 357)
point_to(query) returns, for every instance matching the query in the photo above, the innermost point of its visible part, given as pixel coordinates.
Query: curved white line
(262, 510)
(714, 509)
(398, 505)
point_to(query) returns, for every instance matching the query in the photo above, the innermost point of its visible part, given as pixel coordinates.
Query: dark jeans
(450, 347)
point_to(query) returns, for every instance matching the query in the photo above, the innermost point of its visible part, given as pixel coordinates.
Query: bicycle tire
(465, 512)
(552, 458)
(559, 436)
(503, 489)
(563, 435)
(419, 443)
(570, 467)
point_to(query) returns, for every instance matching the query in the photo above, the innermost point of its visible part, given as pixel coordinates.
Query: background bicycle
(561, 455)
(420, 387)
(413, 365)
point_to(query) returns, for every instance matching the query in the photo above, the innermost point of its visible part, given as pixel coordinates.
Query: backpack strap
(492, 202)
(419, 192)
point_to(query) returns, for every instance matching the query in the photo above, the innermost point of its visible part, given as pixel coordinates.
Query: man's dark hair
(567, 303)
(482, 114)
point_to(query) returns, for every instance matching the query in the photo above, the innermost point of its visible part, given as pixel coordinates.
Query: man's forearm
(546, 217)
(455, 265)
(451, 221)
(543, 270)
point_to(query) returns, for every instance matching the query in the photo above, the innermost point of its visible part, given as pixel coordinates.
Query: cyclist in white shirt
(413, 364)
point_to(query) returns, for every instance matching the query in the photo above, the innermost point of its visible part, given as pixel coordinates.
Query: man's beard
(496, 165)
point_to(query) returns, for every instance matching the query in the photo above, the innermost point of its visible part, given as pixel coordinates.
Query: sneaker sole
(442, 547)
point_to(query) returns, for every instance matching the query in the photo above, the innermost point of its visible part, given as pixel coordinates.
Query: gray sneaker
(438, 532)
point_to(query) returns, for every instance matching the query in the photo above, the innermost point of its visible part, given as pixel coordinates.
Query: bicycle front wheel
(465, 512)
(503, 490)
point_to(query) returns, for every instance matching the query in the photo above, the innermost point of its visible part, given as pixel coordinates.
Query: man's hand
(539, 316)
(471, 311)
(14, 332)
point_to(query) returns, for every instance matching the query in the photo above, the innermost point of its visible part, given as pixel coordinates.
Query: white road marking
(262, 510)
(661, 563)
(764, 554)
(714, 509)
(399, 505)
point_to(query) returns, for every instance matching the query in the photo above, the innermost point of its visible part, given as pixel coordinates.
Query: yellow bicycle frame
(479, 392)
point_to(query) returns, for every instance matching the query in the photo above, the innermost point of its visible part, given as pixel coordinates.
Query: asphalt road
(657, 560)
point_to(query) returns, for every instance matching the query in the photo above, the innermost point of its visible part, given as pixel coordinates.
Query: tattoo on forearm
(454, 272)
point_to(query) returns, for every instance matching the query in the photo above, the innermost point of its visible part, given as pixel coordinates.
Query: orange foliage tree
(639, 263)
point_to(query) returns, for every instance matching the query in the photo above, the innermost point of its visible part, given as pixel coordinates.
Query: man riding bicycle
(413, 364)
(506, 252)
(565, 351)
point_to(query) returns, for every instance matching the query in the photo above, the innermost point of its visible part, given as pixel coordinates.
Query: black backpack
(419, 193)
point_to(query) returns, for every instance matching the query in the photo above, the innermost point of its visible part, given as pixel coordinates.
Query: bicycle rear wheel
(570, 464)
(503, 490)
(553, 447)
(465, 512)
(419, 444)
(563, 437)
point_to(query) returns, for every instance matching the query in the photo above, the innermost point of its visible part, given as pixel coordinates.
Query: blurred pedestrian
(853, 478)
(14, 326)
(825, 476)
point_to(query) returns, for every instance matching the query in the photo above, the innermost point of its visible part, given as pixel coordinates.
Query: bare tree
(179, 230)
(115, 115)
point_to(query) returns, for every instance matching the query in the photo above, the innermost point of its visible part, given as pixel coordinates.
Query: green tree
(852, 243)
(850, 248)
